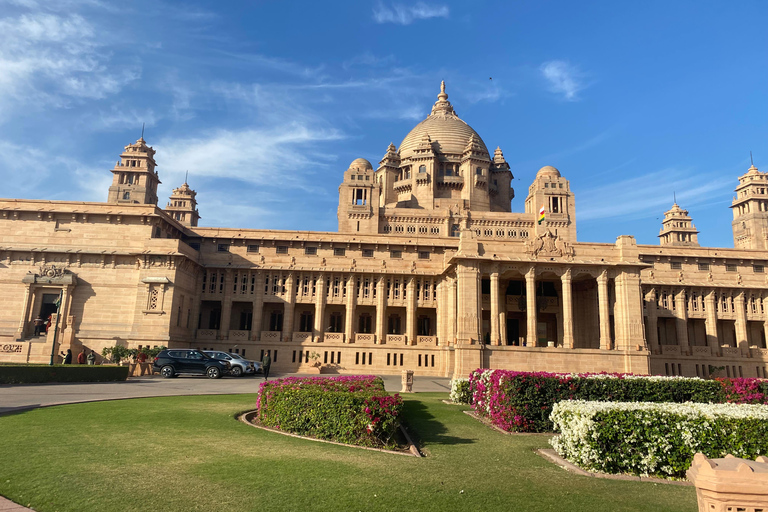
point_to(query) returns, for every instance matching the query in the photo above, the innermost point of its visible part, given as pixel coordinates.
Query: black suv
(171, 363)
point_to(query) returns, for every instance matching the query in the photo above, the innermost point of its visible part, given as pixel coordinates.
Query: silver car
(239, 365)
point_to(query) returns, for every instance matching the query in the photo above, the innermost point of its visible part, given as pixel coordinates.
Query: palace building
(430, 271)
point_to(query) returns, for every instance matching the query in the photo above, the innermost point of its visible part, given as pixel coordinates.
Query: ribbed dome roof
(548, 170)
(360, 163)
(444, 128)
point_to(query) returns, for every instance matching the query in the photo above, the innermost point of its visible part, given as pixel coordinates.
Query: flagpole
(56, 327)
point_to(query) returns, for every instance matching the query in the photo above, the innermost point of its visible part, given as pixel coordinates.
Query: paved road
(29, 396)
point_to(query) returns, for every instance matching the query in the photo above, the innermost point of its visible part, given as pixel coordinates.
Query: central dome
(449, 134)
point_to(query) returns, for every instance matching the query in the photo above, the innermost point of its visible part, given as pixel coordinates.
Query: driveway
(29, 396)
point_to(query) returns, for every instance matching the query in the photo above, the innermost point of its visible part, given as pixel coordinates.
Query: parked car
(171, 363)
(239, 366)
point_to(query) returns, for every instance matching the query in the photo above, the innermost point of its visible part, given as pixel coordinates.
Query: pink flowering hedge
(347, 409)
(523, 401)
(745, 391)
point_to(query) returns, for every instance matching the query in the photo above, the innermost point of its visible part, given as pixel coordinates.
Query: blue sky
(267, 103)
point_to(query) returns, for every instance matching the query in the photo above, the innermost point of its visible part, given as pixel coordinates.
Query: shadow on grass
(425, 428)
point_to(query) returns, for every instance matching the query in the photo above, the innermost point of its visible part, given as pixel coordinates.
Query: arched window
(422, 168)
(479, 171)
(449, 170)
(126, 195)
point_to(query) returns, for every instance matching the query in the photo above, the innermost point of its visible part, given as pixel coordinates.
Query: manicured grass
(189, 453)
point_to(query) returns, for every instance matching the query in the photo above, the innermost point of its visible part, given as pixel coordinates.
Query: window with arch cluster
(422, 168)
(411, 229)
(153, 295)
(423, 230)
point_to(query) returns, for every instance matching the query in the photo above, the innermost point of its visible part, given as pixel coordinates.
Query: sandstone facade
(429, 271)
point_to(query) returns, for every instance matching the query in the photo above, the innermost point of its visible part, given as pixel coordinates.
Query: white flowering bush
(460, 393)
(643, 438)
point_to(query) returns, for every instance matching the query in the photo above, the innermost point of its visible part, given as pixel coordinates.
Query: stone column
(710, 323)
(349, 315)
(628, 311)
(290, 305)
(21, 332)
(441, 309)
(453, 327)
(651, 307)
(320, 299)
(410, 311)
(765, 319)
(742, 339)
(381, 310)
(226, 306)
(604, 310)
(468, 302)
(258, 305)
(495, 337)
(567, 309)
(530, 307)
(681, 321)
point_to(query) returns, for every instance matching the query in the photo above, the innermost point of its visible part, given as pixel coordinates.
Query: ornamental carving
(548, 244)
(51, 271)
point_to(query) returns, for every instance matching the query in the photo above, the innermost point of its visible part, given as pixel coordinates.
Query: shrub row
(348, 409)
(522, 401)
(30, 374)
(460, 391)
(644, 438)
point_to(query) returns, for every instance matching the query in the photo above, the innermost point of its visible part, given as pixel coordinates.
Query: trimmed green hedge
(349, 409)
(522, 401)
(656, 439)
(31, 374)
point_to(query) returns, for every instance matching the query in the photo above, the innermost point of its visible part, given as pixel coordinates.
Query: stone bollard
(407, 381)
(730, 484)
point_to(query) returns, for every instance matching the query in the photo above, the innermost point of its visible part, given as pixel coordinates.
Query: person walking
(81, 357)
(38, 325)
(68, 356)
(91, 358)
(265, 362)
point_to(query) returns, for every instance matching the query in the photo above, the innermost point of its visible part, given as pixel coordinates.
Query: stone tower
(677, 228)
(750, 211)
(135, 179)
(182, 206)
(552, 192)
(358, 210)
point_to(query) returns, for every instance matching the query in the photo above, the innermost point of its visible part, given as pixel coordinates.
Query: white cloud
(652, 194)
(407, 14)
(50, 59)
(563, 78)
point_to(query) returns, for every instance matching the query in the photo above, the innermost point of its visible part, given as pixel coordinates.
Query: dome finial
(442, 96)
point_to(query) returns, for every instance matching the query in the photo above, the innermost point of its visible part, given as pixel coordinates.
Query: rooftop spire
(442, 105)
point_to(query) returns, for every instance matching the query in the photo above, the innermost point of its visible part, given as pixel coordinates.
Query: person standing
(265, 362)
(81, 357)
(91, 358)
(38, 325)
(68, 356)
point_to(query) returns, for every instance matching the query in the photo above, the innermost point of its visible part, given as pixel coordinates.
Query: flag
(541, 214)
(57, 302)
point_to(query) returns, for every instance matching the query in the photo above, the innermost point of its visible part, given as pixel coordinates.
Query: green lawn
(189, 453)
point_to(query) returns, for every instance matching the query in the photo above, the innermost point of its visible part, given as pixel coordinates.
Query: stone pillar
(468, 302)
(349, 315)
(681, 321)
(453, 326)
(765, 320)
(21, 332)
(710, 323)
(320, 299)
(226, 306)
(258, 305)
(530, 307)
(567, 309)
(629, 311)
(742, 339)
(441, 309)
(290, 305)
(651, 307)
(381, 310)
(410, 311)
(729, 483)
(604, 310)
(495, 337)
